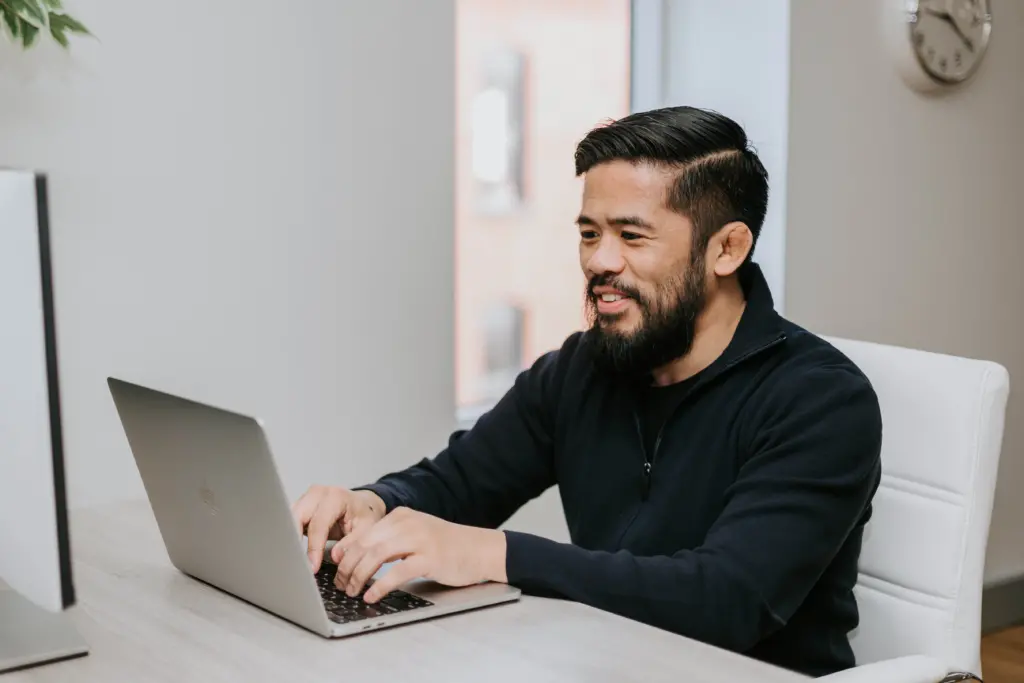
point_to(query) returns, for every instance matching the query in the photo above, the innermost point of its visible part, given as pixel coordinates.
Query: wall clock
(938, 44)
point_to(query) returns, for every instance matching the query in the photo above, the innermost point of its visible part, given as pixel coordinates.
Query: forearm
(686, 593)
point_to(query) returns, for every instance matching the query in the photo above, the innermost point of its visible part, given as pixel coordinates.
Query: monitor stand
(30, 635)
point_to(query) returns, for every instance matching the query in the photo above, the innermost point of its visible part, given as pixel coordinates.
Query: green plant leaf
(65, 22)
(26, 18)
(28, 34)
(12, 21)
(30, 12)
(58, 35)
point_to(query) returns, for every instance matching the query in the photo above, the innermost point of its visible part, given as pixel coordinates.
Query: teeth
(610, 297)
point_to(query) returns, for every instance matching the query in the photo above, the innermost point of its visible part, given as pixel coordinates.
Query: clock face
(950, 37)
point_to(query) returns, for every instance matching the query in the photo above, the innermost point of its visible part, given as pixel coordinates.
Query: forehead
(621, 186)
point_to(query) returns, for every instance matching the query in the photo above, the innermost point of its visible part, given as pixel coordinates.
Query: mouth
(612, 303)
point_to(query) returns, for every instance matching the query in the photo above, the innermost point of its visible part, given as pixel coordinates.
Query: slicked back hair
(719, 177)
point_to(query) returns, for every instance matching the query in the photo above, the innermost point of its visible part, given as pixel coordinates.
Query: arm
(813, 469)
(487, 473)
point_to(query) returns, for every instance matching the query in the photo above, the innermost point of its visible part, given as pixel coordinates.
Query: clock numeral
(918, 39)
(931, 53)
(943, 63)
(958, 59)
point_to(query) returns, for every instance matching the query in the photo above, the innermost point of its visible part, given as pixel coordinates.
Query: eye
(630, 236)
(588, 234)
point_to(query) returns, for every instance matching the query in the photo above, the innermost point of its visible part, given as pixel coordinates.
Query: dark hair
(720, 178)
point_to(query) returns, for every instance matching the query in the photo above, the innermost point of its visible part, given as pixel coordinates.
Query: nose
(606, 257)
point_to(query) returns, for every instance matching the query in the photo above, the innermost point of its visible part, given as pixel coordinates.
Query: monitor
(36, 585)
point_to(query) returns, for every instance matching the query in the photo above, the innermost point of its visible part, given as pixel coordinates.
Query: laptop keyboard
(341, 609)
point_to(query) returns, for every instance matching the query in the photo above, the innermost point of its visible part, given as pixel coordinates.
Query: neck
(713, 332)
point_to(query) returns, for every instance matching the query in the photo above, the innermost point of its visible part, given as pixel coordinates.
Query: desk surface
(145, 621)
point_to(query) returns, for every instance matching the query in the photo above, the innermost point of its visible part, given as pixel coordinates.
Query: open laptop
(226, 520)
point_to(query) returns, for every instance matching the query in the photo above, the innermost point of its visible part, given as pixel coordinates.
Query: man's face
(645, 284)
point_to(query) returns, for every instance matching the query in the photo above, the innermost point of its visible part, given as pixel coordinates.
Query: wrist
(373, 502)
(495, 550)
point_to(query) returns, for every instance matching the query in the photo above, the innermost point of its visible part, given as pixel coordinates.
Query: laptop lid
(219, 501)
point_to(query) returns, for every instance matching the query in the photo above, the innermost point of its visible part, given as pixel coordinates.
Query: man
(716, 462)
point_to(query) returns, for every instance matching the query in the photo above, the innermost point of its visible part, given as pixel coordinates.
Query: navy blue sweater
(742, 529)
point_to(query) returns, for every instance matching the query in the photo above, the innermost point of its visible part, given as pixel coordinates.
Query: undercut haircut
(719, 178)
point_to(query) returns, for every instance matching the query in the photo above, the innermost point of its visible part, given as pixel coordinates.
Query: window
(496, 133)
(504, 332)
(533, 76)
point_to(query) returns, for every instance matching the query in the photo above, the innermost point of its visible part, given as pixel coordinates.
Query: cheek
(644, 277)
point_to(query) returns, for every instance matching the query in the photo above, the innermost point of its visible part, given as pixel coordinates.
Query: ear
(729, 248)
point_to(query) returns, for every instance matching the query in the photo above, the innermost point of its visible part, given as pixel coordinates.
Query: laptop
(226, 521)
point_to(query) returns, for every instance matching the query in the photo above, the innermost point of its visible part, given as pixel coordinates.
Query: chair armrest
(914, 669)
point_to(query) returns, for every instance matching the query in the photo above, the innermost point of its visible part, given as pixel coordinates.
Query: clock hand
(946, 17)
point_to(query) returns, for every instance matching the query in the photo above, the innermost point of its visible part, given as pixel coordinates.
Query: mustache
(610, 281)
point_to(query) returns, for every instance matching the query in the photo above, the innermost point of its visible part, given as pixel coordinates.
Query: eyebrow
(634, 221)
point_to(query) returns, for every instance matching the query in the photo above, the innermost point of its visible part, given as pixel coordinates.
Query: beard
(668, 322)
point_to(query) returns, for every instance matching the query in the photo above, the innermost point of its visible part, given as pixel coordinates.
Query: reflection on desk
(145, 621)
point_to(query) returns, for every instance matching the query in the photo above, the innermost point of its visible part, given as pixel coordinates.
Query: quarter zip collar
(760, 326)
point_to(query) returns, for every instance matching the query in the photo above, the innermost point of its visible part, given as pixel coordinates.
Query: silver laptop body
(226, 520)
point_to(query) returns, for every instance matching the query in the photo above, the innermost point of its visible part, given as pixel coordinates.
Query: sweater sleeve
(813, 469)
(489, 471)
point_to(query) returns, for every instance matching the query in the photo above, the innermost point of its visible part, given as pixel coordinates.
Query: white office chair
(923, 557)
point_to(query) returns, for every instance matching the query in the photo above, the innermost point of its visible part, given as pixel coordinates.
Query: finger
(349, 551)
(353, 533)
(403, 572)
(347, 558)
(394, 549)
(304, 507)
(369, 534)
(328, 511)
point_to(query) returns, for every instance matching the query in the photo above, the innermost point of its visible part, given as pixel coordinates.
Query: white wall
(904, 222)
(733, 56)
(251, 205)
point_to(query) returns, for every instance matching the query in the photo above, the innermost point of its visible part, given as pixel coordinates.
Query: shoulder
(806, 358)
(815, 391)
(553, 369)
(571, 358)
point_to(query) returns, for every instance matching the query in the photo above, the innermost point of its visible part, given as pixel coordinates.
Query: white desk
(144, 621)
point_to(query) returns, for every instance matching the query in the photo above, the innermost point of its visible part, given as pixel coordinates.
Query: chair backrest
(922, 563)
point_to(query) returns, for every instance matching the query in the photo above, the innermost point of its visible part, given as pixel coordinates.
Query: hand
(330, 513)
(451, 554)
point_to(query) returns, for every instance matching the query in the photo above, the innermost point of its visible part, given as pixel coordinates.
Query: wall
(733, 56)
(252, 207)
(903, 211)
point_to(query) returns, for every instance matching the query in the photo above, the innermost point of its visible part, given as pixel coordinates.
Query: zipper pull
(647, 479)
